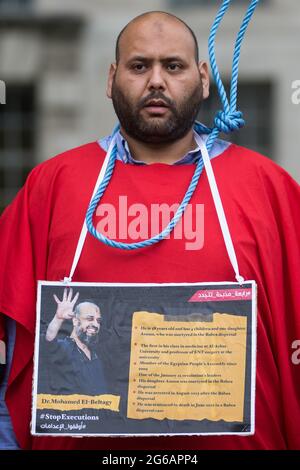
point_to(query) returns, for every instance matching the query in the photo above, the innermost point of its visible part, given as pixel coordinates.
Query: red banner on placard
(216, 295)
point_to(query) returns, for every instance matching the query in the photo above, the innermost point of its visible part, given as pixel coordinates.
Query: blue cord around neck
(227, 120)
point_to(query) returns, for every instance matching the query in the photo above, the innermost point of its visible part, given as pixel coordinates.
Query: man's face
(87, 324)
(157, 87)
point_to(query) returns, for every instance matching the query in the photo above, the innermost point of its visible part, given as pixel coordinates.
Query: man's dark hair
(117, 52)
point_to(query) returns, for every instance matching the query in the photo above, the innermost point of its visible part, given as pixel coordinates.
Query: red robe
(39, 234)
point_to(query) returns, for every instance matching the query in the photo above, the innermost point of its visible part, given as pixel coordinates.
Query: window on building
(255, 101)
(13, 4)
(17, 140)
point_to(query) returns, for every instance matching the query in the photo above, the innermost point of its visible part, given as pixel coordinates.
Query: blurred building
(54, 59)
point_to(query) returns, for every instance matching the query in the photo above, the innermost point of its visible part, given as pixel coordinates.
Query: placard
(144, 359)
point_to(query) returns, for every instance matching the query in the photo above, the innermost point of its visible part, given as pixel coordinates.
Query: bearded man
(157, 85)
(75, 366)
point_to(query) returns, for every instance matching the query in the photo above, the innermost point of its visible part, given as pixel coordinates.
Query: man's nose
(157, 80)
(95, 324)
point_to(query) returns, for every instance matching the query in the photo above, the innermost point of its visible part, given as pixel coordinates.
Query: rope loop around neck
(227, 120)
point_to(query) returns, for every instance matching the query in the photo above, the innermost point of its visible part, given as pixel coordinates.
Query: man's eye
(174, 67)
(139, 67)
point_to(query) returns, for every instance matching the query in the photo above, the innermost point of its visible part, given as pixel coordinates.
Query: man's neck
(81, 346)
(160, 153)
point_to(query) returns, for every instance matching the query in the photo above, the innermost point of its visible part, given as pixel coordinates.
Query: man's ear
(204, 74)
(75, 321)
(112, 71)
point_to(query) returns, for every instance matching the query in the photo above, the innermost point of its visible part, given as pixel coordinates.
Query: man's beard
(157, 129)
(91, 341)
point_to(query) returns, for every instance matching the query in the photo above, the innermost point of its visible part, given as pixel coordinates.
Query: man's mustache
(92, 328)
(156, 96)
